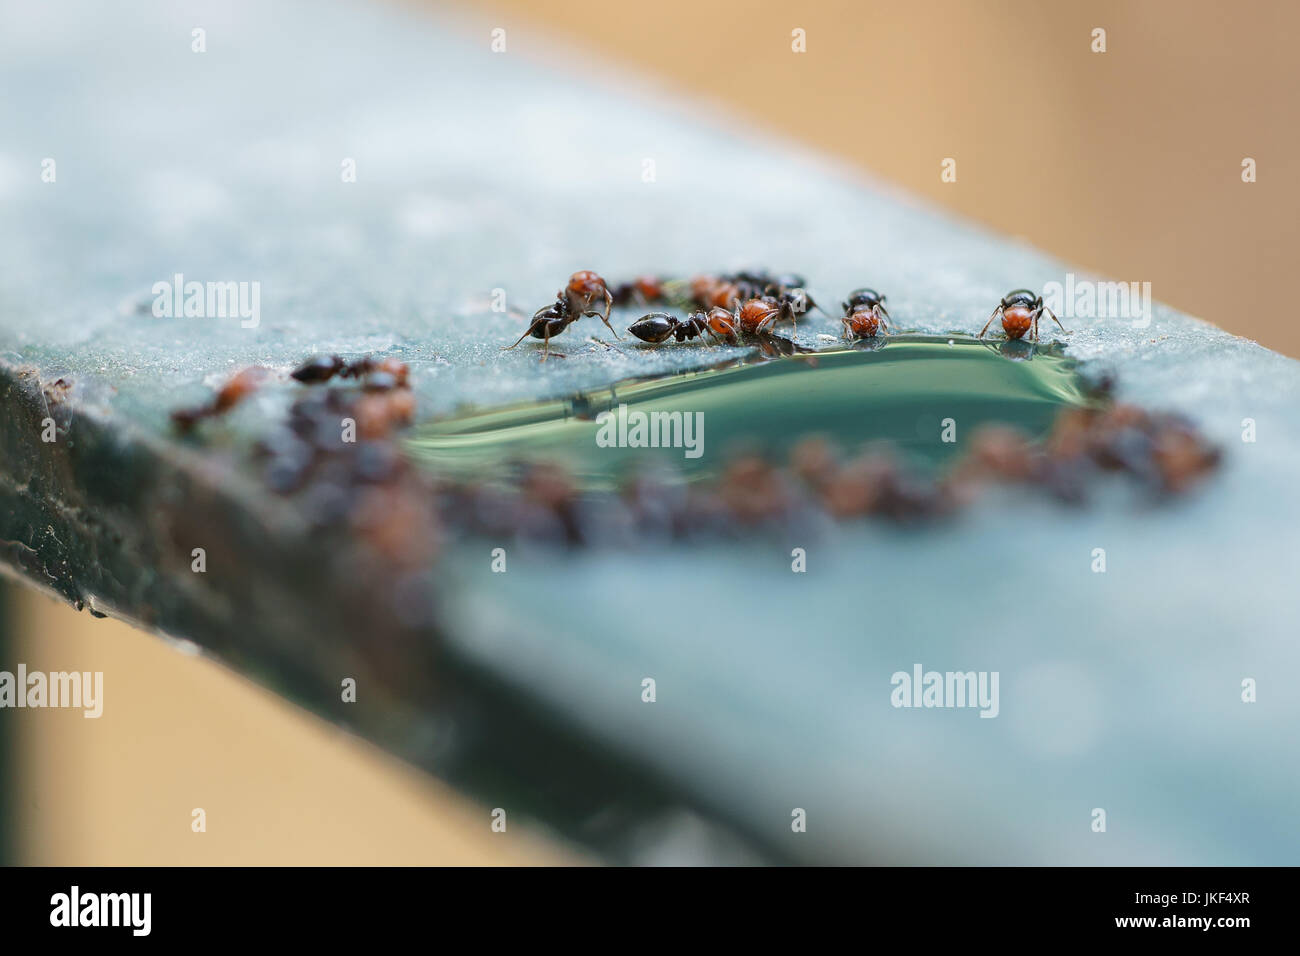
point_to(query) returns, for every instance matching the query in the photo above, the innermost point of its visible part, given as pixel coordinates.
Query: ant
(757, 316)
(729, 290)
(585, 288)
(715, 292)
(548, 321)
(1020, 311)
(643, 291)
(657, 327)
(793, 303)
(788, 289)
(759, 282)
(322, 368)
(865, 314)
(571, 303)
(237, 388)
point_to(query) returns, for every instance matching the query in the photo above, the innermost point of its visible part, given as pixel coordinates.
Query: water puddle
(899, 391)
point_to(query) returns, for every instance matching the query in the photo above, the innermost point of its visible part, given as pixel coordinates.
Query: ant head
(862, 297)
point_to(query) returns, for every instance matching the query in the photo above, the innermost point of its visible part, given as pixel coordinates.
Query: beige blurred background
(178, 732)
(1126, 162)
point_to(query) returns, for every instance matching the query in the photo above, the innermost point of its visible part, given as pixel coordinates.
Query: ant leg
(847, 331)
(609, 304)
(996, 314)
(546, 344)
(604, 319)
(1056, 320)
(527, 332)
(881, 315)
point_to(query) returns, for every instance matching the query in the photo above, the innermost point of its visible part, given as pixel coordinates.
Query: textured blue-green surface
(479, 171)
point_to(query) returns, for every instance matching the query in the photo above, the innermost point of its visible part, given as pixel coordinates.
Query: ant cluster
(337, 456)
(725, 307)
(1163, 453)
(362, 483)
(368, 487)
(757, 302)
(382, 376)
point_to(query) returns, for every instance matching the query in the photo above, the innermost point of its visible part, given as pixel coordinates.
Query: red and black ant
(865, 314)
(571, 303)
(584, 289)
(1020, 311)
(643, 291)
(757, 316)
(658, 327)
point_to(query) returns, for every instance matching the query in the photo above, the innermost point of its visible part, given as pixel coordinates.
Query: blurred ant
(657, 327)
(865, 314)
(322, 368)
(1020, 311)
(241, 385)
(643, 291)
(709, 292)
(792, 303)
(757, 283)
(319, 368)
(729, 290)
(787, 289)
